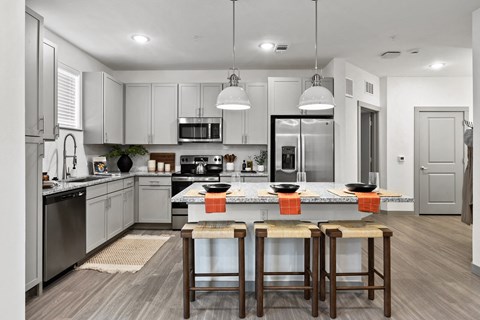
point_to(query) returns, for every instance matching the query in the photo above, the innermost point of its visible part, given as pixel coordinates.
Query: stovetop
(189, 174)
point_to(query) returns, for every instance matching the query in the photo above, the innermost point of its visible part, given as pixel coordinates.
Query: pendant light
(233, 97)
(316, 97)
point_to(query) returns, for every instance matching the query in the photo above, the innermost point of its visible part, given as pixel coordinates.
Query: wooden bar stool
(356, 229)
(287, 230)
(211, 230)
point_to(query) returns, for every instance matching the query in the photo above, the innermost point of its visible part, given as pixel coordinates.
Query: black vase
(124, 163)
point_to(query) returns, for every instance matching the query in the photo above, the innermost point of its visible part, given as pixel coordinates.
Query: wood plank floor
(431, 257)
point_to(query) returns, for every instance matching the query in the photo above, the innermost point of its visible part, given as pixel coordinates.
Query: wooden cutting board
(196, 193)
(346, 193)
(305, 194)
(164, 157)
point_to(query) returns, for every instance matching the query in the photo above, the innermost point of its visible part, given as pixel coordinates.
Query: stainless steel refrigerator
(302, 143)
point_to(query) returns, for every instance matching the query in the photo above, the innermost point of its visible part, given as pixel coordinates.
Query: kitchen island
(280, 254)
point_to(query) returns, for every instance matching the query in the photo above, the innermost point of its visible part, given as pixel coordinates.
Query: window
(69, 102)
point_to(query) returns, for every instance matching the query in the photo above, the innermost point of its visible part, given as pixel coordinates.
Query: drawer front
(96, 191)
(128, 183)
(154, 181)
(115, 186)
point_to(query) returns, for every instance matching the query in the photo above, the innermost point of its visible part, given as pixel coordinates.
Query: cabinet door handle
(106, 137)
(41, 127)
(41, 152)
(151, 138)
(57, 131)
(246, 139)
(154, 182)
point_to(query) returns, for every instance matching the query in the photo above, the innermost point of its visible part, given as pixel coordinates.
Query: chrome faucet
(65, 156)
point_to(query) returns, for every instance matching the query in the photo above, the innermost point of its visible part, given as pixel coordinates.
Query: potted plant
(260, 160)
(125, 163)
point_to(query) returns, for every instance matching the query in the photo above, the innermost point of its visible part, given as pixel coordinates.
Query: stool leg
(256, 266)
(306, 267)
(241, 276)
(260, 270)
(192, 262)
(371, 267)
(322, 266)
(315, 277)
(333, 277)
(387, 298)
(186, 276)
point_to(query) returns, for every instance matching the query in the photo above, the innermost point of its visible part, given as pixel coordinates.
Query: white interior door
(440, 171)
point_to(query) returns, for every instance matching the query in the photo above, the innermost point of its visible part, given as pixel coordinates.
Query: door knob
(423, 168)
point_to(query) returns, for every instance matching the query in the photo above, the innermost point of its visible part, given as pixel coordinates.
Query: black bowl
(217, 187)
(360, 187)
(285, 187)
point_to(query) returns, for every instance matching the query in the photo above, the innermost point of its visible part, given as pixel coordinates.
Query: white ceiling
(197, 34)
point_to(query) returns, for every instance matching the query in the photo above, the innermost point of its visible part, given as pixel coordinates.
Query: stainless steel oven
(200, 130)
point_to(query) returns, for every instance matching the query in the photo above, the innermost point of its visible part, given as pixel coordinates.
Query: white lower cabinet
(110, 210)
(96, 221)
(128, 207)
(228, 179)
(154, 200)
(115, 214)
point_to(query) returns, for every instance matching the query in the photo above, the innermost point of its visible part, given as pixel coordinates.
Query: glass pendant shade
(316, 98)
(233, 98)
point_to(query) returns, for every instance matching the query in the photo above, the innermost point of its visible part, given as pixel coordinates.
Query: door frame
(374, 109)
(416, 164)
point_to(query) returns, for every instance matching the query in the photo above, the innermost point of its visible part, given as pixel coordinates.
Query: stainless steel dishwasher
(64, 234)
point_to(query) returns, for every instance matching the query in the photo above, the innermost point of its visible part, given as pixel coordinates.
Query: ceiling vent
(368, 87)
(281, 48)
(349, 87)
(390, 54)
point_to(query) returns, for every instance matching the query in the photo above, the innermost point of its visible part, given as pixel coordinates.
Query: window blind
(69, 98)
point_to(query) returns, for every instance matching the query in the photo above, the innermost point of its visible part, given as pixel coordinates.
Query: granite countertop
(251, 195)
(67, 186)
(244, 174)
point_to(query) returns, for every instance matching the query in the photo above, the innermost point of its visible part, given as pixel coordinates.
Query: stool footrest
(216, 274)
(379, 274)
(284, 288)
(351, 274)
(215, 289)
(361, 288)
(279, 273)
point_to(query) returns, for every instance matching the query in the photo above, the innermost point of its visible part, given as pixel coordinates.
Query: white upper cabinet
(189, 100)
(34, 120)
(151, 113)
(198, 100)
(102, 109)
(50, 90)
(256, 119)
(284, 95)
(209, 94)
(138, 105)
(248, 126)
(164, 113)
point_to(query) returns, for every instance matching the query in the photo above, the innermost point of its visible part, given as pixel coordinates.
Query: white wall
(476, 140)
(12, 161)
(403, 94)
(81, 61)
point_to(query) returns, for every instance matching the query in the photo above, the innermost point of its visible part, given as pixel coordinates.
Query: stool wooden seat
(287, 230)
(211, 230)
(356, 229)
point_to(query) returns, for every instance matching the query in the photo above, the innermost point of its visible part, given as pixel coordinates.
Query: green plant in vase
(260, 160)
(125, 162)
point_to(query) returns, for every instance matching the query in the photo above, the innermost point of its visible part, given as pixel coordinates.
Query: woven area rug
(128, 254)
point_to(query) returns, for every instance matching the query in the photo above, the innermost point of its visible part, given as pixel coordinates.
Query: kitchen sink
(85, 179)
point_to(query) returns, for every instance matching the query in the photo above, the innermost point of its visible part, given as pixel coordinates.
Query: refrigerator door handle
(302, 146)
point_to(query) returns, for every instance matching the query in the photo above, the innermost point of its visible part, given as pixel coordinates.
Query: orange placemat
(289, 203)
(216, 202)
(368, 202)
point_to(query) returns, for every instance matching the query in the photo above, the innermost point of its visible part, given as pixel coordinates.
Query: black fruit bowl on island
(284, 188)
(217, 187)
(360, 187)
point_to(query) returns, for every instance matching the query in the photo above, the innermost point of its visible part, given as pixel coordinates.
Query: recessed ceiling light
(140, 38)
(437, 65)
(267, 46)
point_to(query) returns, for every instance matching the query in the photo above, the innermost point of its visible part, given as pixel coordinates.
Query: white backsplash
(53, 161)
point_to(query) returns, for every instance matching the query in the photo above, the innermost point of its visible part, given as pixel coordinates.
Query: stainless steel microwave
(200, 130)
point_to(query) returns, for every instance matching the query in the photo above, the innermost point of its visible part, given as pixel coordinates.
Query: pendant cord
(316, 36)
(233, 47)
